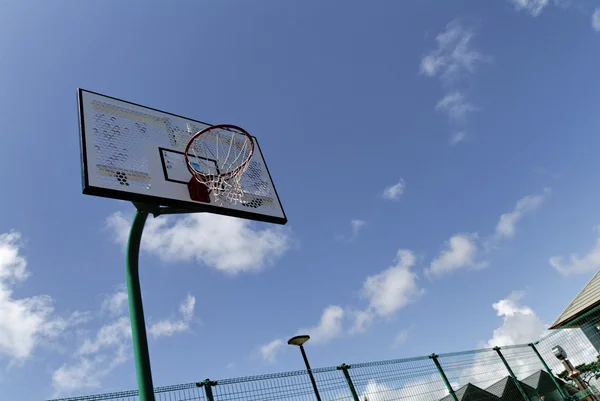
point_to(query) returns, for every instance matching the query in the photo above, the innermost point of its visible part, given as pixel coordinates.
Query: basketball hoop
(217, 157)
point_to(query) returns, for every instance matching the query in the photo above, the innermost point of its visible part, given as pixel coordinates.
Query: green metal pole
(434, 357)
(208, 384)
(510, 372)
(136, 309)
(344, 368)
(558, 387)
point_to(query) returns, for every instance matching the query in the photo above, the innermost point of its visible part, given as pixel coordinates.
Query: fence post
(434, 357)
(344, 368)
(207, 384)
(510, 372)
(558, 387)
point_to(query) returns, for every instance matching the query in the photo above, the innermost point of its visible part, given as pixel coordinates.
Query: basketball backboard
(135, 153)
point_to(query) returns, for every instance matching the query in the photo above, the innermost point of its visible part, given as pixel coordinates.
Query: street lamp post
(299, 341)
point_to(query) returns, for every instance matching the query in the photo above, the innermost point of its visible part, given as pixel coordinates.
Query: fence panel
(473, 375)
(580, 352)
(183, 392)
(332, 385)
(290, 386)
(479, 375)
(412, 379)
(522, 360)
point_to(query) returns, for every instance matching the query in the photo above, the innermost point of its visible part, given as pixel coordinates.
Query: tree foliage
(587, 372)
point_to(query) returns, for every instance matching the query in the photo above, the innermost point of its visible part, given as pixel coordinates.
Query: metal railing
(528, 372)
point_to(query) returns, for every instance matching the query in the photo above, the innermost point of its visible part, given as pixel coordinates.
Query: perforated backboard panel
(135, 153)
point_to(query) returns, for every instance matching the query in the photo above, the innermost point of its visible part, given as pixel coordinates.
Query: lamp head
(299, 340)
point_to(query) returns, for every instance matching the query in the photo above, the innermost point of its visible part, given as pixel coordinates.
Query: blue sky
(437, 161)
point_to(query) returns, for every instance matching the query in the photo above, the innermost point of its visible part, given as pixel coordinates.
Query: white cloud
(401, 337)
(270, 351)
(596, 20)
(99, 355)
(426, 388)
(531, 7)
(116, 303)
(588, 262)
(86, 373)
(24, 322)
(386, 293)
(357, 225)
(109, 335)
(166, 328)
(389, 291)
(329, 327)
(461, 252)
(458, 137)
(456, 107)
(13, 266)
(225, 243)
(96, 358)
(393, 192)
(452, 61)
(507, 224)
(520, 323)
(454, 57)
(362, 320)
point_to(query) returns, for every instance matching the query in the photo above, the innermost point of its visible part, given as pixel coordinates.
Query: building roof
(471, 392)
(506, 389)
(587, 299)
(542, 382)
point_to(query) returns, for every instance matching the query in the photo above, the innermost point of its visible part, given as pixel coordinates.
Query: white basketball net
(218, 157)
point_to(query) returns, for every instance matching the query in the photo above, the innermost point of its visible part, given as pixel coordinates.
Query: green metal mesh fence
(508, 373)
(402, 379)
(478, 375)
(293, 386)
(580, 339)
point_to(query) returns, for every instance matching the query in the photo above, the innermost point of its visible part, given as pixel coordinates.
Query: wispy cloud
(329, 327)
(596, 20)
(25, 322)
(225, 243)
(100, 354)
(400, 338)
(395, 191)
(389, 291)
(116, 303)
(455, 106)
(95, 359)
(464, 250)
(453, 61)
(454, 58)
(270, 351)
(535, 8)
(579, 264)
(461, 252)
(458, 137)
(506, 226)
(386, 293)
(531, 7)
(169, 327)
(414, 388)
(356, 226)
